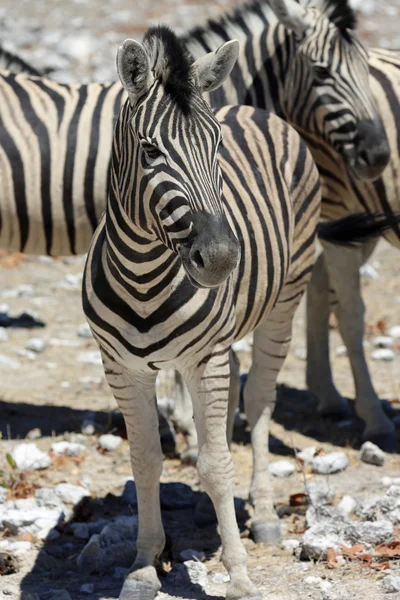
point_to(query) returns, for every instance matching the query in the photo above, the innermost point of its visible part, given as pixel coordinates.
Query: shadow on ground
(63, 564)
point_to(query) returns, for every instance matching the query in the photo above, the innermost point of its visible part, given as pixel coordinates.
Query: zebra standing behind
(161, 288)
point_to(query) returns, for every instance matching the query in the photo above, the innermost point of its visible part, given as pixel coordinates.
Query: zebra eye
(151, 149)
(322, 73)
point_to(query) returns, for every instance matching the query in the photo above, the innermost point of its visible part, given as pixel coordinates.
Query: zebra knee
(216, 471)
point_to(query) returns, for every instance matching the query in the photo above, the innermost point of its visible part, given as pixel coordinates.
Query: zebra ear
(133, 69)
(292, 15)
(211, 70)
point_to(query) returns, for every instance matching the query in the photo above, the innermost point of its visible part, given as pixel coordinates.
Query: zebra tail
(357, 228)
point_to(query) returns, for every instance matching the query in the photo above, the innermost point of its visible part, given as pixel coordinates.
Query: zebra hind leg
(209, 391)
(270, 347)
(319, 372)
(135, 395)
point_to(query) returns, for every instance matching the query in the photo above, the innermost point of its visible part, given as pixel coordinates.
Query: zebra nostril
(197, 259)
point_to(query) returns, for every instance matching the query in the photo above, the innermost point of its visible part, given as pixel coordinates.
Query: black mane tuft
(172, 64)
(341, 13)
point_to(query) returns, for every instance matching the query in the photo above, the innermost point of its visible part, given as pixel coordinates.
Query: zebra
(42, 212)
(200, 243)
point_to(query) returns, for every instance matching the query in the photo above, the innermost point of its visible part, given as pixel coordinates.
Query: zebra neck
(258, 78)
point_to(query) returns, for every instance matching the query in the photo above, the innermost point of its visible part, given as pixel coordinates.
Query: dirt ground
(55, 391)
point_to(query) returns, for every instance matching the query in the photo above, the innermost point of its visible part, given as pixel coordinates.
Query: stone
(20, 548)
(307, 454)
(242, 345)
(87, 588)
(347, 505)
(388, 481)
(109, 442)
(80, 530)
(71, 494)
(90, 358)
(281, 468)
(323, 514)
(47, 497)
(383, 354)
(84, 331)
(320, 492)
(3, 494)
(220, 578)
(300, 353)
(369, 272)
(86, 481)
(88, 427)
(382, 341)
(191, 571)
(334, 462)
(372, 454)
(35, 344)
(341, 351)
(290, 545)
(30, 520)
(391, 584)
(317, 540)
(67, 448)
(27, 354)
(34, 434)
(28, 457)
(189, 554)
(394, 332)
(25, 503)
(369, 532)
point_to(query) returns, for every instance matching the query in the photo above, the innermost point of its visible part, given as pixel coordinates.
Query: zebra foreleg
(135, 393)
(209, 391)
(343, 266)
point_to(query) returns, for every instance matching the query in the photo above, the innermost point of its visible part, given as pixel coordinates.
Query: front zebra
(157, 291)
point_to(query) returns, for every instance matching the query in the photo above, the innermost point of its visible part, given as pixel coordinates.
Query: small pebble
(3, 334)
(290, 545)
(29, 354)
(372, 454)
(307, 454)
(347, 505)
(334, 462)
(300, 353)
(395, 332)
(36, 345)
(383, 341)
(281, 468)
(220, 578)
(383, 354)
(90, 358)
(34, 434)
(109, 442)
(84, 331)
(67, 448)
(391, 584)
(28, 457)
(341, 351)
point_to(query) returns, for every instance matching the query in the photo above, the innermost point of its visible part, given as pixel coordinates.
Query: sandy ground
(56, 391)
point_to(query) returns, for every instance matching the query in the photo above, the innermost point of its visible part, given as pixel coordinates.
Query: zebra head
(173, 183)
(327, 90)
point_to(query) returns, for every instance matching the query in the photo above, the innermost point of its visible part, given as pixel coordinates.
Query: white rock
(372, 454)
(59, 343)
(65, 385)
(320, 492)
(34, 434)
(109, 442)
(35, 344)
(330, 463)
(341, 351)
(382, 341)
(242, 345)
(90, 381)
(67, 448)
(88, 427)
(300, 353)
(369, 532)
(3, 494)
(391, 584)
(84, 331)
(29, 354)
(388, 481)
(24, 290)
(347, 505)
(86, 481)
(9, 363)
(30, 521)
(368, 270)
(4, 308)
(3, 334)
(72, 281)
(383, 354)
(290, 545)
(28, 457)
(19, 548)
(186, 555)
(281, 468)
(25, 503)
(71, 494)
(90, 358)
(320, 537)
(47, 497)
(394, 332)
(193, 570)
(307, 454)
(220, 578)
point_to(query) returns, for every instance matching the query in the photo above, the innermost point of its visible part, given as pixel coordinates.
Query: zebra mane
(338, 12)
(171, 63)
(13, 63)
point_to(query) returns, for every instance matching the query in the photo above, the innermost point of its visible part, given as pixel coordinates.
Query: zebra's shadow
(67, 562)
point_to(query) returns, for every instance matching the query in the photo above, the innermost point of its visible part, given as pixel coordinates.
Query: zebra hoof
(141, 585)
(266, 532)
(385, 441)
